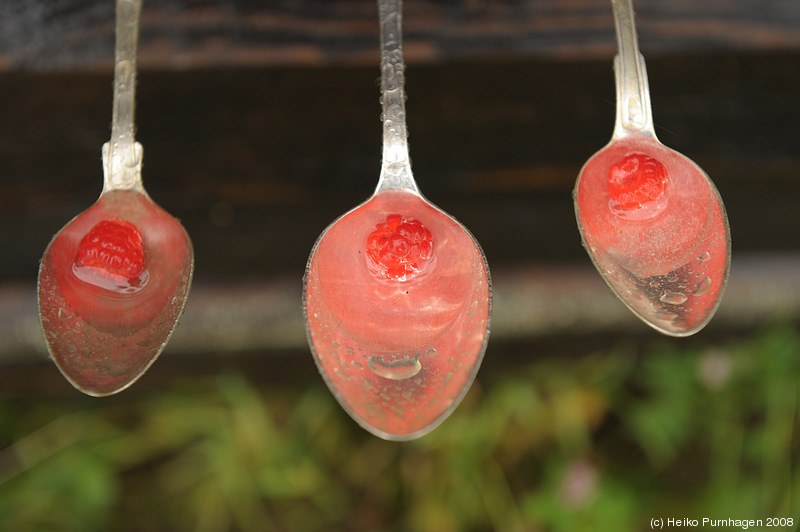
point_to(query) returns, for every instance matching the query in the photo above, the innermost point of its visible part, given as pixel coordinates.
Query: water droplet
(366, 385)
(666, 315)
(64, 314)
(702, 286)
(356, 364)
(673, 298)
(397, 370)
(704, 257)
(431, 352)
(473, 309)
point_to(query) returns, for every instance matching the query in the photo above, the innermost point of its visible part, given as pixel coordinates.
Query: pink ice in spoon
(107, 306)
(660, 238)
(399, 354)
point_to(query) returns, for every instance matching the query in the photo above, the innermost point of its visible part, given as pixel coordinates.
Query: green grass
(604, 441)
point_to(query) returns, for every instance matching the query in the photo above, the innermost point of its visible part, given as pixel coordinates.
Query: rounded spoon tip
(103, 328)
(669, 262)
(399, 355)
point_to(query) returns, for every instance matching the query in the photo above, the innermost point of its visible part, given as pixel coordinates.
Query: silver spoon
(396, 293)
(651, 220)
(114, 281)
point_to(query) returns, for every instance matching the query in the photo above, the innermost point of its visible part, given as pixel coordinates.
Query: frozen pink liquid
(669, 258)
(105, 330)
(399, 355)
(652, 245)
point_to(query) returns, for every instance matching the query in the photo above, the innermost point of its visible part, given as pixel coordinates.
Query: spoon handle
(634, 114)
(122, 155)
(396, 167)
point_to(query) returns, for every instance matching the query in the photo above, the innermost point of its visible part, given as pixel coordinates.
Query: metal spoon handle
(396, 167)
(122, 155)
(634, 114)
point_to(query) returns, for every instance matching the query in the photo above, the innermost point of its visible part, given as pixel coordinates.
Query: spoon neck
(396, 168)
(396, 177)
(634, 114)
(122, 168)
(122, 155)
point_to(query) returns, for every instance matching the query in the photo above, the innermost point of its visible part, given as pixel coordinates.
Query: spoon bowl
(665, 259)
(104, 329)
(398, 354)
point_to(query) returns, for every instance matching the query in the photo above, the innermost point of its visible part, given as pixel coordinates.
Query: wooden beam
(188, 34)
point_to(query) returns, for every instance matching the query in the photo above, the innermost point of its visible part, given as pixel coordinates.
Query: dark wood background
(260, 124)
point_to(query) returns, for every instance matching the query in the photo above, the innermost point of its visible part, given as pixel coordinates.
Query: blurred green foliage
(602, 441)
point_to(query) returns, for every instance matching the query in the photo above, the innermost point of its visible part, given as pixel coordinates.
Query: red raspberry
(636, 181)
(399, 248)
(114, 247)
